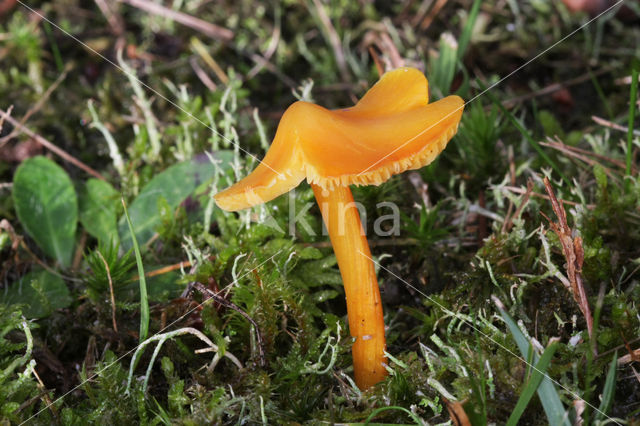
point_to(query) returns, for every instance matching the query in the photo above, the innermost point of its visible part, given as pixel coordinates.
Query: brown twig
(392, 58)
(426, 22)
(37, 106)
(208, 294)
(617, 163)
(2, 120)
(559, 146)
(517, 190)
(573, 253)
(258, 59)
(114, 19)
(113, 297)
(630, 357)
(201, 50)
(45, 395)
(376, 60)
(555, 87)
(508, 223)
(610, 124)
(202, 75)
(50, 146)
(214, 31)
(18, 241)
(271, 49)
(167, 269)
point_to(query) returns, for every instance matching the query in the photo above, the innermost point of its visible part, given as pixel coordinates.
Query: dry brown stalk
(518, 190)
(50, 146)
(573, 253)
(508, 222)
(550, 89)
(426, 22)
(610, 124)
(630, 357)
(113, 18)
(581, 155)
(202, 75)
(334, 39)
(207, 28)
(376, 60)
(38, 105)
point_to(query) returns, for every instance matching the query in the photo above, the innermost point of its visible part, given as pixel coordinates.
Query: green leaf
(41, 292)
(98, 203)
(47, 206)
(144, 299)
(467, 30)
(174, 184)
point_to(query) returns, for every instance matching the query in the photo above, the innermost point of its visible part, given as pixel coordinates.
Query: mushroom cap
(393, 128)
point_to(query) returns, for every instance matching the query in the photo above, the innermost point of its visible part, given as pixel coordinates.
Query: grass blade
(547, 392)
(535, 379)
(632, 113)
(467, 31)
(534, 144)
(144, 300)
(609, 390)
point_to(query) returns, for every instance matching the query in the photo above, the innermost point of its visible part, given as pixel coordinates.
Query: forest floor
(509, 274)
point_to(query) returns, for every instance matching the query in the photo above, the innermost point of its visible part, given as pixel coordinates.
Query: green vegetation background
(155, 110)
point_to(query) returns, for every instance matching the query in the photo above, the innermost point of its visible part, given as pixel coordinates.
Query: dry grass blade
(202, 75)
(518, 190)
(573, 253)
(201, 50)
(38, 105)
(610, 124)
(630, 357)
(508, 223)
(392, 57)
(3, 117)
(333, 38)
(50, 146)
(426, 22)
(584, 155)
(376, 60)
(113, 298)
(113, 19)
(552, 88)
(204, 27)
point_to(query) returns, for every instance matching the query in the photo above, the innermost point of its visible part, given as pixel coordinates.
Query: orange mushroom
(391, 129)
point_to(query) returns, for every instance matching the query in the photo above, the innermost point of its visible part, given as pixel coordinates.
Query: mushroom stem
(364, 308)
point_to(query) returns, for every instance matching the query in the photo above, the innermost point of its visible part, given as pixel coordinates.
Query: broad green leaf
(41, 292)
(98, 204)
(47, 206)
(174, 184)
